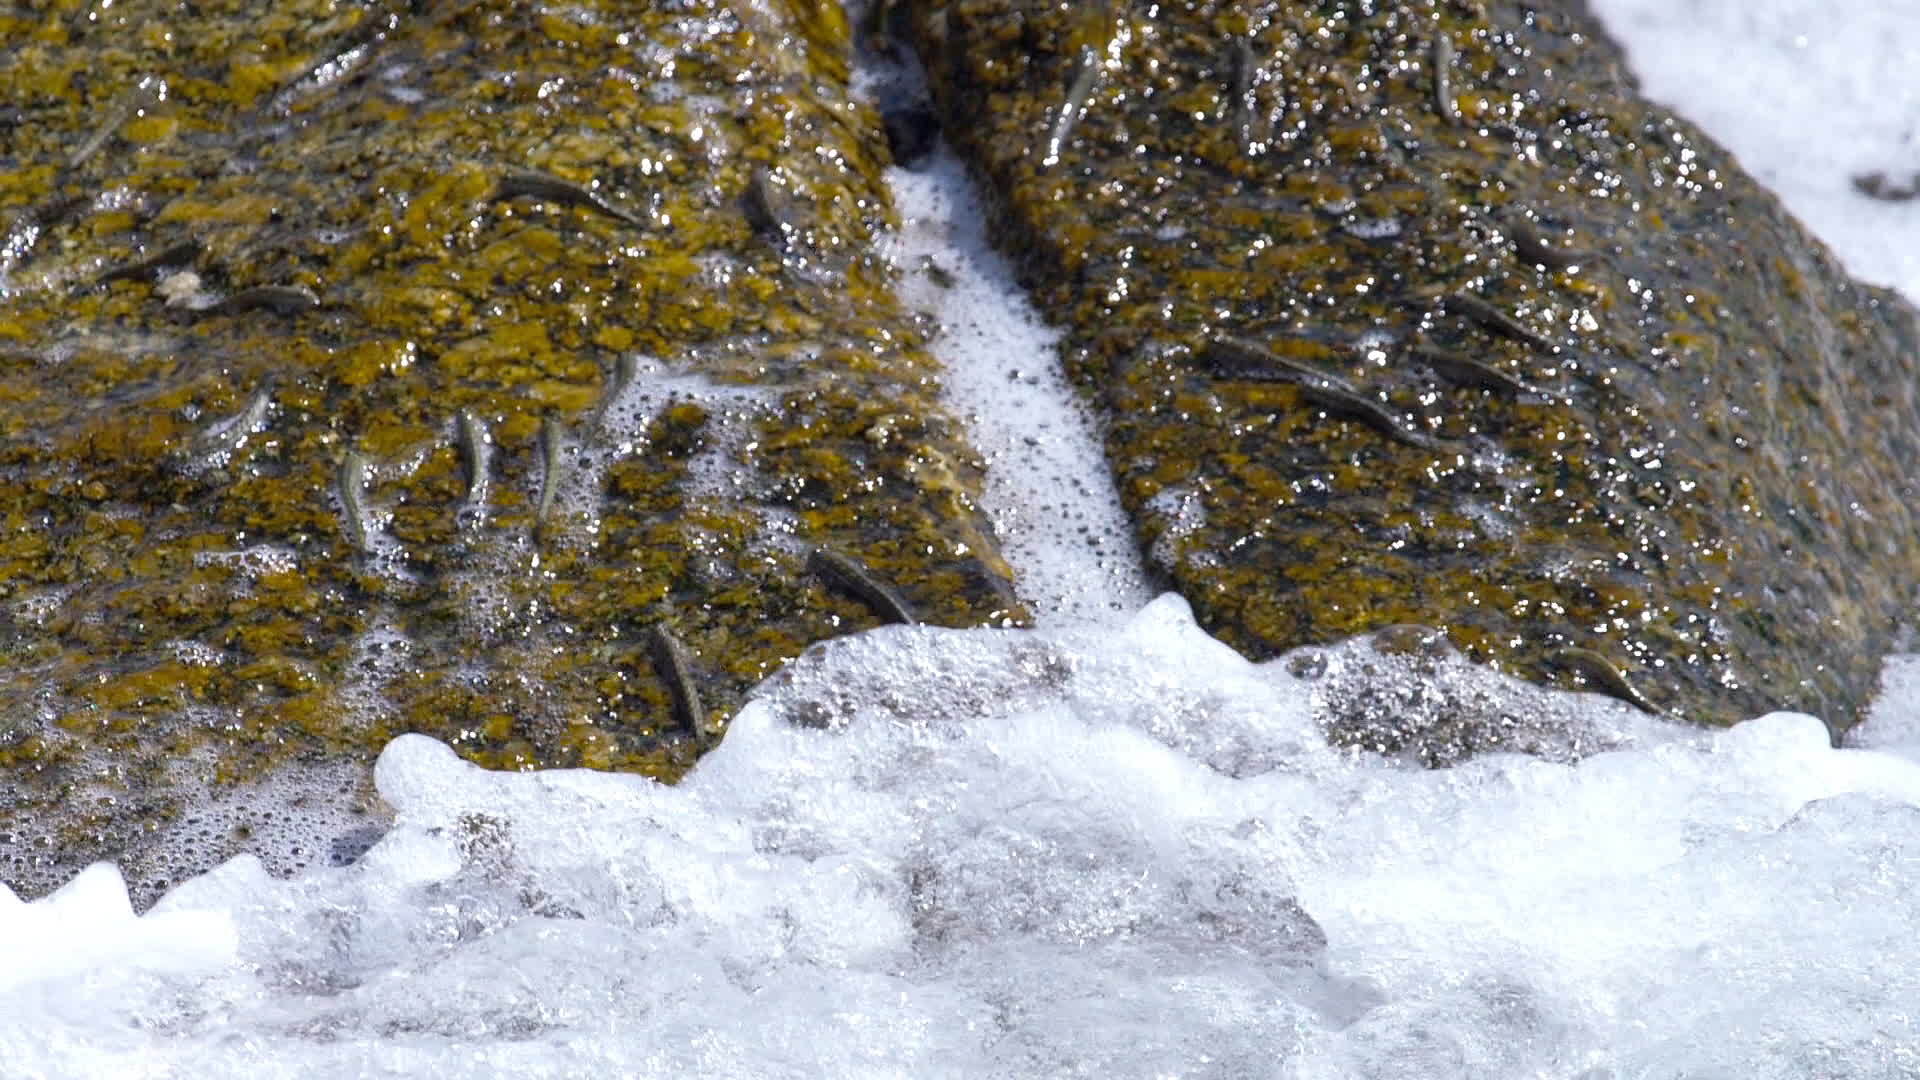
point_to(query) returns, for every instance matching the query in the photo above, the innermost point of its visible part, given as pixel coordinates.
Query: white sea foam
(1049, 493)
(1078, 851)
(1083, 852)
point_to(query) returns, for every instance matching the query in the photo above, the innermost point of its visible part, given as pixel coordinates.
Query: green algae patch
(1414, 312)
(383, 369)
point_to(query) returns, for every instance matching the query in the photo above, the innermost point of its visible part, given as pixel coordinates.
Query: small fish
(671, 662)
(1494, 319)
(626, 368)
(279, 299)
(178, 253)
(539, 185)
(1360, 408)
(1248, 360)
(148, 91)
(1604, 676)
(348, 57)
(352, 481)
(1443, 102)
(1086, 74)
(550, 454)
(476, 447)
(1536, 248)
(231, 434)
(1241, 75)
(1461, 368)
(845, 575)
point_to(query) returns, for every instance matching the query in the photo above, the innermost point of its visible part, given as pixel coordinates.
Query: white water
(1048, 490)
(1808, 94)
(1086, 850)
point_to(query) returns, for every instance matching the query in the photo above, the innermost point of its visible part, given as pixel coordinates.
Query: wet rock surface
(439, 368)
(1415, 313)
(526, 377)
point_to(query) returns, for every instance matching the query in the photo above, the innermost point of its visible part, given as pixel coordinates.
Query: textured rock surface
(258, 260)
(1285, 239)
(407, 367)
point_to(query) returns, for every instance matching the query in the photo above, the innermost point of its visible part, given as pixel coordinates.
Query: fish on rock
(1665, 445)
(532, 379)
(383, 368)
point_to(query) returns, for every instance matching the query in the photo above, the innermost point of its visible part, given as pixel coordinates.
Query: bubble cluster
(1083, 852)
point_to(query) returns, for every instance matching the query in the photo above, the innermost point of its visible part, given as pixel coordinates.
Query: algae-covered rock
(489, 370)
(1415, 313)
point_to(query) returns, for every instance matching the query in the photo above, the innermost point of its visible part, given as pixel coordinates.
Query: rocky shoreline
(528, 377)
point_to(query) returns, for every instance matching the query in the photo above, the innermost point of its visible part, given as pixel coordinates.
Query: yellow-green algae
(1713, 490)
(180, 592)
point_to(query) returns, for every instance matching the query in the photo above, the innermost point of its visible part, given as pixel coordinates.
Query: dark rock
(400, 369)
(1680, 441)
(912, 132)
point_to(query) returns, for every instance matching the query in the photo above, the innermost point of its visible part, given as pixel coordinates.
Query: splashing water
(1086, 850)
(1091, 852)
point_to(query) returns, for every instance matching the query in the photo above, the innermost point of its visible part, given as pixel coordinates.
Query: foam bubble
(1118, 852)
(253, 562)
(1181, 513)
(86, 932)
(1048, 491)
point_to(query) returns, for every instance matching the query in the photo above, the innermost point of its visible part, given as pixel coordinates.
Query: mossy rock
(1416, 313)
(401, 367)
